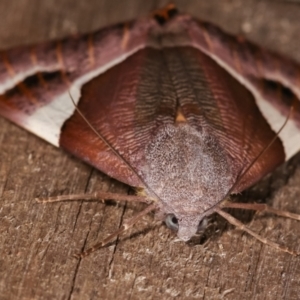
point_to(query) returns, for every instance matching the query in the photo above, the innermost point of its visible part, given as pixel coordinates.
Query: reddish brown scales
(132, 108)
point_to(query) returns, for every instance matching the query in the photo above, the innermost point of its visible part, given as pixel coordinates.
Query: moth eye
(172, 222)
(202, 225)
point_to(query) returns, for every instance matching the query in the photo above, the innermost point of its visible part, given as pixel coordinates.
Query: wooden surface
(37, 241)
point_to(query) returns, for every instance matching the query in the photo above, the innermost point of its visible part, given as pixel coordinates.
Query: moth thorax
(188, 171)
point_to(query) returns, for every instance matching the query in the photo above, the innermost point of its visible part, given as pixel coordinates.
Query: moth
(172, 106)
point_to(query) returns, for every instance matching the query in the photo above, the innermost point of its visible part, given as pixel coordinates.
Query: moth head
(185, 226)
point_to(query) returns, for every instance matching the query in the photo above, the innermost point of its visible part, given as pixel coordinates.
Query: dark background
(37, 241)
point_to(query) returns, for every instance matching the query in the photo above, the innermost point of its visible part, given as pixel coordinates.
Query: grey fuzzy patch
(189, 172)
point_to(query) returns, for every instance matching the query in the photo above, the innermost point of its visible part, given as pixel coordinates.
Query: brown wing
(189, 73)
(133, 100)
(36, 82)
(125, 105)
(271, 78)
(128, 94)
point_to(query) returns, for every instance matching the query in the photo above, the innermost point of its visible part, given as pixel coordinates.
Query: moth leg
(126, 225)
(262, 208)
(100, 196)
(243, 227)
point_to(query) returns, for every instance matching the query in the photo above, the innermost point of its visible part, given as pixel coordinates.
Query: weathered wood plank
(37, 241)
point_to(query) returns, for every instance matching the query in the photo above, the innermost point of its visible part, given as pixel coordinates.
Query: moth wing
(137, 96)
(125, 105)
(37, 82)
(134, 100)
(126, 84)
(272, 79)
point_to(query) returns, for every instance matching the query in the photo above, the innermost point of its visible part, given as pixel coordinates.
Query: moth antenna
(243, 227)
(262, 152)
(262, 208)
(125, 226)
(111, 147)
(101, 196)
(100, 136)
(257, 207)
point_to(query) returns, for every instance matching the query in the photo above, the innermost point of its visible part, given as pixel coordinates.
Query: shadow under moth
(174, 107)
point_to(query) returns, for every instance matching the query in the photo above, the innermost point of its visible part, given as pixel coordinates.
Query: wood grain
(37, 241)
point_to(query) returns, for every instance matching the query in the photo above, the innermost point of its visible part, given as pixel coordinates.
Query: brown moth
(172, 106)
